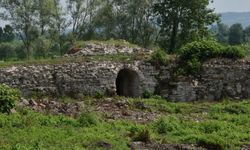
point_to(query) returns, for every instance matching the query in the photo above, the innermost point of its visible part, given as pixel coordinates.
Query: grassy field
(221, 125)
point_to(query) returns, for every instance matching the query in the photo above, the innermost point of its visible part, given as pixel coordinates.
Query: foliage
(223, 125)
(88, 120)
(236, 34)
(216, 129)
(41, 47)
(147, 94)
(183, 21)
(222, 33)
(142, 135)
(160, 57)
(12, 51)
(8, 98)
(233, 52)
(20, 13)
(48, 29)
(164, 126)
(80, 20)
(7, 50)
(7, 34)
(82, 14)
(32, 19)
(202, 50)
(37, 131)
(99, 94)
(233, 35)
(128, 20)
(194, 54)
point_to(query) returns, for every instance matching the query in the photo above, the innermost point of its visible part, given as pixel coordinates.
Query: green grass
(30, 130)
(222, 125)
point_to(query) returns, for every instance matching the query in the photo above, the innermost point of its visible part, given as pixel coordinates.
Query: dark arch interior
(127, 83)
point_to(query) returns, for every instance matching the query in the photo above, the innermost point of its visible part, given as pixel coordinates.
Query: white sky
(231, 5)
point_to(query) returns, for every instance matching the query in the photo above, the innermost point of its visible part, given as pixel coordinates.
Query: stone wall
(85, 78)
(219, 79)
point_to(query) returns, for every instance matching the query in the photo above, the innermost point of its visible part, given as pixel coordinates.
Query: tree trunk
(173, 36)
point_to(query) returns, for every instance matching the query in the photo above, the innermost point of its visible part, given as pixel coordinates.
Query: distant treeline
(45, 28)
(233, 35)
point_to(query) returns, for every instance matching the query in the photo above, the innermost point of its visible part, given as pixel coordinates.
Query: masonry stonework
(86, 78)
(219, 79)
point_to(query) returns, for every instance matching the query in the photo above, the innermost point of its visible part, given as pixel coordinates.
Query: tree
(222, 33)
(236, 34)
(104, 21)
(46, 10)
(183, 21)
(247, 34)
(7, 34)
(21, 14)
(126, 19)
(81, 13)
(142, 27)
(58, 26)
(41, 47)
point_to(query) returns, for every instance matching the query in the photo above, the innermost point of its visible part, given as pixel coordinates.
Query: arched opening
(127, 83)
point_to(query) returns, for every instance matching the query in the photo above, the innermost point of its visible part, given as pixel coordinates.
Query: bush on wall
(194, 54)
(160, 57)
(233, 52)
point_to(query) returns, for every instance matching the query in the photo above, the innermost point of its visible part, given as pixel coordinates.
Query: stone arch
(128, 83)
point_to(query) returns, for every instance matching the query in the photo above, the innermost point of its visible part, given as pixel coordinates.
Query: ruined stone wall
(85, 78)
(219, 79)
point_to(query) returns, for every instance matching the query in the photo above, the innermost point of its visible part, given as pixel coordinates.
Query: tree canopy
(165, 23)
(183, 21)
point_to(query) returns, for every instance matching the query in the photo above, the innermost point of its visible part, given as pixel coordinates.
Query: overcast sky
(231, 5)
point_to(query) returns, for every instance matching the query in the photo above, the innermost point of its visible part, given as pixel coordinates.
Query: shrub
(161, 126)
(41, 47)
(194, 54)
(237, 109)
(88, 120)
(7, 50)
(165, 125)
(8, 97)
(209, 141)
(99, 95)
(201, 51)
(143, 135)
(157, 97)
(159, 57)
(193, 66)
(210, 127)
(233, 52)
(147, 94)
